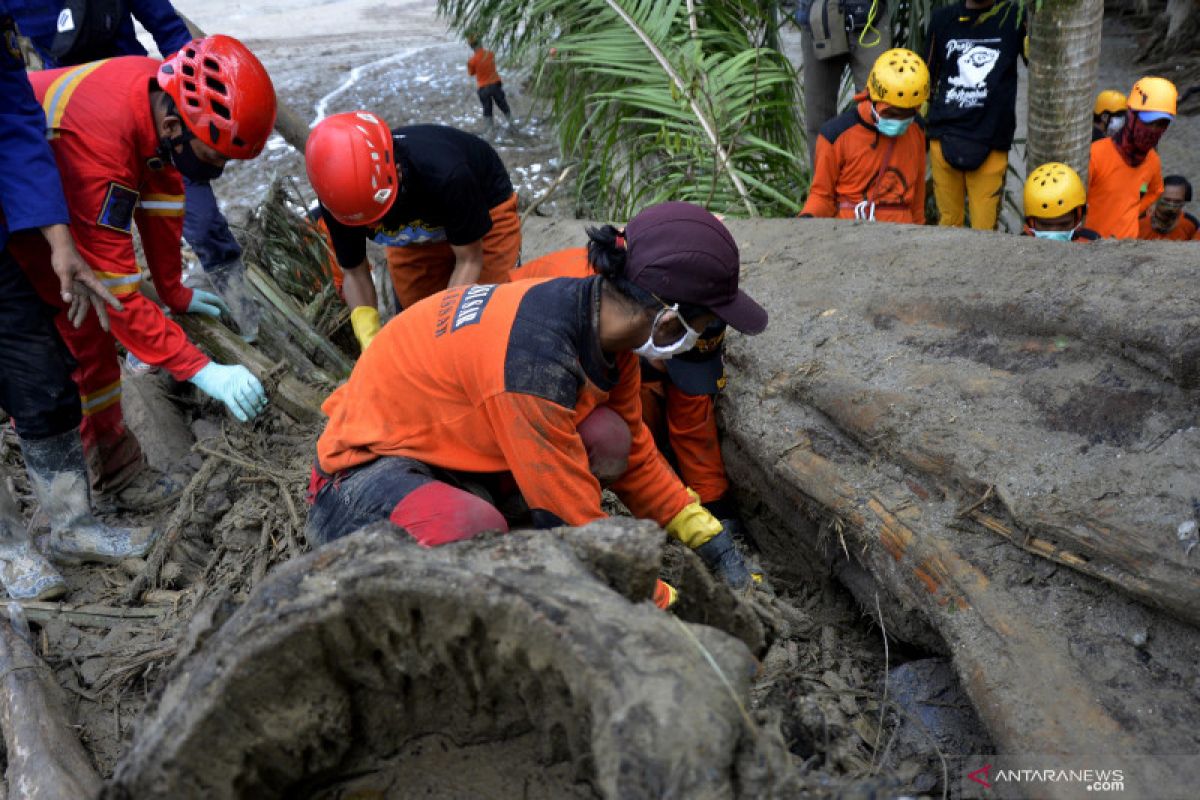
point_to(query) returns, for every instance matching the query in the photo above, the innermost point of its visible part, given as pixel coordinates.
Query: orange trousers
(424, 269)
(689, 425)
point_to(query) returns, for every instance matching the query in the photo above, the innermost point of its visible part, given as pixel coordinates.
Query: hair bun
(606, 252)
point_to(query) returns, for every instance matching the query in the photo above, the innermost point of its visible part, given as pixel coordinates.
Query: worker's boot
(59, 477)
(229, 280)
(721, 555)
(25, 573)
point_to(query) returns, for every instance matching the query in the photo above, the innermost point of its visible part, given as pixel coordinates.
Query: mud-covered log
(45, 758)
(297, 399)
(373, 655)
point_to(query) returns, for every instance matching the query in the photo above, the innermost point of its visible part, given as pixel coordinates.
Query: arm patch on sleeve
(116, 213)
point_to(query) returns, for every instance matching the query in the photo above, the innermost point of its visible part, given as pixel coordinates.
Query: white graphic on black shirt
(975, 62)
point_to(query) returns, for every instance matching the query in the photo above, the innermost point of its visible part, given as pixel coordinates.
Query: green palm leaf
(659, 99)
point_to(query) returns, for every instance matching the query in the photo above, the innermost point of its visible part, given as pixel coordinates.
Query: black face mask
(188, 163)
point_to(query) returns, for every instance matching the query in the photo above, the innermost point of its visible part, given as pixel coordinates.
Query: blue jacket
(38, 19)
(31, 195)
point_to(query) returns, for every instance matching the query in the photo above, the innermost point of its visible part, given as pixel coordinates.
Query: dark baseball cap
(683, 254)
(701, 370)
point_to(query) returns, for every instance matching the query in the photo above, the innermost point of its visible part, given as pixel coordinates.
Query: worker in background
(535, 383)
(678, 397)
(974, 47)
(72, 33)
(1167, 218)
(871, 157)
(1056, 205)
(482, 64)
(835, 36)
(1108, 114)
(1125, 173)
(125, 129)
(439, 198)
(36, 390)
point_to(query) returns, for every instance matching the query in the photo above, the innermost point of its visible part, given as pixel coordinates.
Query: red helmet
(352, 167)
(223, 93)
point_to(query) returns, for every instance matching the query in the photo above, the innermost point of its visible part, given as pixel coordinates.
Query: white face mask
(1115, 124)
(685, 343)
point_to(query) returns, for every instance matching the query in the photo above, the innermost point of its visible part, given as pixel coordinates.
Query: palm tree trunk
(1064, 60)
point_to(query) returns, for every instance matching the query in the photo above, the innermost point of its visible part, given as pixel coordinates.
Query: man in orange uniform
(1125, 173)
(438, 197)
(537, 380)
(124, 129)
(482, 64)
(871, 158)
(678, 396)
(1167, 218)
(1056, 205)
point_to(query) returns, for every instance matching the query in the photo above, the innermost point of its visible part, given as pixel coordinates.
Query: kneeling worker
(1056, 205)
(871, 158)
(439, 198)
(536, 381)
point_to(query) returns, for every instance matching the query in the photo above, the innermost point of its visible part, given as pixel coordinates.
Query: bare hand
(78, 285)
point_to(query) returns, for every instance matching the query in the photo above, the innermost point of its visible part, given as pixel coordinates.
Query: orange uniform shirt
(482, 64)
(569, 263)
(855, 163)
(1187, 229)
(496, 378)
(1114, 194)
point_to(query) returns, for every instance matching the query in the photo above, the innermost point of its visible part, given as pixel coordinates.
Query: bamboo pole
(310, 338)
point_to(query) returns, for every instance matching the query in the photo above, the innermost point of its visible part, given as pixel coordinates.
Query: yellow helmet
(1154, 94)
(1052, 190)
(1110, 101)
(899, 78)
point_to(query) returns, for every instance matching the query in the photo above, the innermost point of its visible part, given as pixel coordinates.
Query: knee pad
(438, 513)
(608, 440)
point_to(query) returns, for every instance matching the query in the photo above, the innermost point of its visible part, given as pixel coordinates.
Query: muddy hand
(79, 287)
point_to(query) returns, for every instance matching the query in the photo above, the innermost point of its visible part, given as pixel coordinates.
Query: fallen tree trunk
(373, 662)
(45, 758)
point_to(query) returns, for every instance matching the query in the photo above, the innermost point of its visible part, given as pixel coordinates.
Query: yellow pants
(983, 188)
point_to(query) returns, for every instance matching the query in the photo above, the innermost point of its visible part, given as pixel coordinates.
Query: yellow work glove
(365, 322)
(694, 525)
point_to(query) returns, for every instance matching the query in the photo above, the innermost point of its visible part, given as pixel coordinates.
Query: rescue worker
(871, 157)
(204, 226)
(124, 129)
(1056, 205)
(1167, 218)
(678, 397)
(482, 64)
(1108, 113)
(974, 47)
(35, 369)
(438, 197)
(1125, 173)
(535, 382)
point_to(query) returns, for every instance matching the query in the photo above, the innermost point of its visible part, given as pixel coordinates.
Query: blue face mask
(1057, 236)
(890, 127)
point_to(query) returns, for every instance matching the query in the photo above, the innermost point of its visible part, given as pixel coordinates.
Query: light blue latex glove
(235, 386)
(206, 303)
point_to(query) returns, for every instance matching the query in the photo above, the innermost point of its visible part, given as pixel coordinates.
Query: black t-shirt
(449, 181)
(972, 61)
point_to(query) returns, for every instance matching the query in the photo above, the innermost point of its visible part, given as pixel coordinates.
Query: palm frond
(660, 99)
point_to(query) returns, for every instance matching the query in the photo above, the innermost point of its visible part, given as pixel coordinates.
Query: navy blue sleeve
(31, 193)
(159, 17)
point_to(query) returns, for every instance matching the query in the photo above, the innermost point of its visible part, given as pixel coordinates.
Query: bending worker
(438, 197)
(534, 382)
(125, 129)
(678, 397)
(871, 157)
(1056, 205)
(35, 374)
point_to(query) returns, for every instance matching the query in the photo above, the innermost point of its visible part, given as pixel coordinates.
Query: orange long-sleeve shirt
(1114, 194)
(855, 163)
(102, 132)
(482, 64)
(497, 378)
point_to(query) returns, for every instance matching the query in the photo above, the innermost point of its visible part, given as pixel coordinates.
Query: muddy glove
(712, 541)
(206, 303)
(365, 322)
(235, 386)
